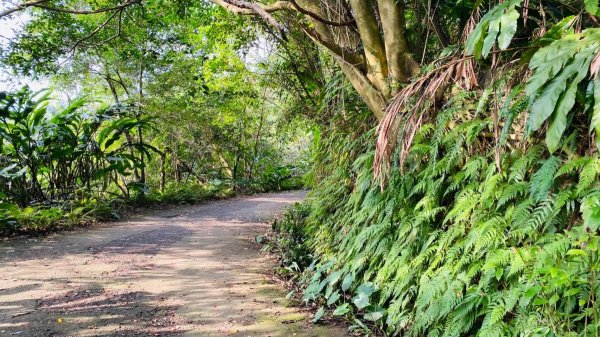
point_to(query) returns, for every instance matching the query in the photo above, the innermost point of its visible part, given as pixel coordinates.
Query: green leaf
(553, 299)
(366, 288)
(475, 41)
(542, 180)
(334, 277)
(591, 6)
(319, 315)
(375, 314)
(557, 32)
(329, 291)
(590, 210)
(342, 310)
(499, 23)
(588, 175)
(558, 124)
(361, 300)
(545, 104)
(508, 28)
(576, 252)
(531, 292)
(499, 272)
(490, 39)
(333, 298)
(558, 69)
(347, 282)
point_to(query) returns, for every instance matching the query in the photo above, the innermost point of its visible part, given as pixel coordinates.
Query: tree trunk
(367, 40)
(256, 143)
(401, 66)
(128, 137)
(139, 128)
(163, 172)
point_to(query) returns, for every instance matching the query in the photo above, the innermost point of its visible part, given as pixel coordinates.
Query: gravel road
(182, 271)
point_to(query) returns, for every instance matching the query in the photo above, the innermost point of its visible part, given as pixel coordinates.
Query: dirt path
(186, 271)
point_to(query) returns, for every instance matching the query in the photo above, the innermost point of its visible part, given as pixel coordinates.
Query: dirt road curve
(185, 271)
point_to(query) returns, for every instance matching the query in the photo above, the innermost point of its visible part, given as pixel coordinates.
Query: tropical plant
(48, 155)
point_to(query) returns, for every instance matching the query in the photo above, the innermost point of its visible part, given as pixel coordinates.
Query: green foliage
(453, 247)
(498, 25)
(591, 6)
(486, 233)
(563, 63)
(289, 239)
(50, 155)
(273, 178)
(189, 193)
(183, 118)
(59, 165)
(558, 69)
(541, 181)
(44, 218)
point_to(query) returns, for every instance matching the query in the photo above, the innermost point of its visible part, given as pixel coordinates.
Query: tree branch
(99, 28)
(348, 56)
(20, 7)
(247, 8)
(40, 4)
(232, 7)
(399, 62)
(250, 8)
(374, 49)
(319, 18)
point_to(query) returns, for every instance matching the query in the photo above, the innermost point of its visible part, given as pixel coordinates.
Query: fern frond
(511, 192)
(588, 175)
(519, 168)
(571, 166)
(541, 181)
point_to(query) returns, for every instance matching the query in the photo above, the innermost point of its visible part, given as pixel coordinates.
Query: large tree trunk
(374, 50)
(342, 43)
(401, 66)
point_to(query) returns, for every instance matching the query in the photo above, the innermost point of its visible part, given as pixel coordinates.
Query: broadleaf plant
(557, 72)
(499, 25)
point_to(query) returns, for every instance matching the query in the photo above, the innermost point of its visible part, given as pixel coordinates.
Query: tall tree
(367, 38)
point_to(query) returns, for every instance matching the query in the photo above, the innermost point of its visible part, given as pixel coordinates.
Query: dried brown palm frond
(405, 115)
(465, 72)
(389, 127)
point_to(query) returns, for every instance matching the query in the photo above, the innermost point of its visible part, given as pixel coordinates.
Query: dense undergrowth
(454, 246)
(70, 214)
(77, 165)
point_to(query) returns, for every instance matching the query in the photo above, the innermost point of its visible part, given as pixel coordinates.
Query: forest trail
(182, 271)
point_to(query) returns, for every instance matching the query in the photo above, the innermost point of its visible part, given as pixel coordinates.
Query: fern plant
(455, 247)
